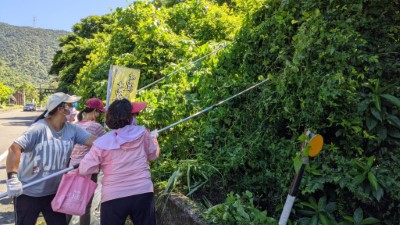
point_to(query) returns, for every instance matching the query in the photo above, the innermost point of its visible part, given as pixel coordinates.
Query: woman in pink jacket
(123, 154)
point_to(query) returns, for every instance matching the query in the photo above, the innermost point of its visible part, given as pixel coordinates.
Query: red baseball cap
(95, 103)
(138, 106)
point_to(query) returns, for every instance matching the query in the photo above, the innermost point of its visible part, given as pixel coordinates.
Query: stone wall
(177, 209)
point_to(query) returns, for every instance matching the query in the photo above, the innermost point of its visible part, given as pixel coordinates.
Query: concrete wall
(177, 209)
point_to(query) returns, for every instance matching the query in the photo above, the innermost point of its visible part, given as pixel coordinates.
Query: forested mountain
(26, 53)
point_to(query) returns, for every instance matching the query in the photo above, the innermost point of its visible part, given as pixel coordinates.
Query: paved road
(12, 124)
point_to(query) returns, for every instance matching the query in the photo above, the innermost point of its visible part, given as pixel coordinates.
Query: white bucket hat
(58, 98)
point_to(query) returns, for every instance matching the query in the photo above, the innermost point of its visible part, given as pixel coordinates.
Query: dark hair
(86, 110)
(50, 113)
(119, 114)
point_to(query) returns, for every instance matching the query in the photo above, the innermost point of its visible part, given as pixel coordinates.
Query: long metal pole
(165, 77)
(163, 129)
(211, 107)
(44, 178)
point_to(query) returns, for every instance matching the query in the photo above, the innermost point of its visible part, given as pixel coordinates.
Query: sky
(54, 14)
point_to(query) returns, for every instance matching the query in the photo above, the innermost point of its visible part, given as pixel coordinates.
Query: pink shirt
(80, 151)
(126, 170)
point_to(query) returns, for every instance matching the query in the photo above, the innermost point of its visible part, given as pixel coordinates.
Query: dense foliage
(5, 92)
(10, 76)
(14, 81)
(332, 68)
(28, 52)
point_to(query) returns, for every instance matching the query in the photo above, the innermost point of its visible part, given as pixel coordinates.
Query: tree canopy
(5, 92)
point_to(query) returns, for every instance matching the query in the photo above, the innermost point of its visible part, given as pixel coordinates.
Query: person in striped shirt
(87, 119)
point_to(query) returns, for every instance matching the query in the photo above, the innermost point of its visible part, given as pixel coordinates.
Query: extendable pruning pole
(160, 130)
(182, 68)
(212, 107)
(315, 145)
(61, 172)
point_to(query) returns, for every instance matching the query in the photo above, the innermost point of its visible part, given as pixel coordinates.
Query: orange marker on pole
(315, 143)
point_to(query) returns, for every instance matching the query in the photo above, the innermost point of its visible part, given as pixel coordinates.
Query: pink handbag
(73, 194)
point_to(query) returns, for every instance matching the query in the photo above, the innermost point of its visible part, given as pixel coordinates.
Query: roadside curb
(10, 109)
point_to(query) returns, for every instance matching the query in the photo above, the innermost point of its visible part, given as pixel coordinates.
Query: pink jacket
(126, 169)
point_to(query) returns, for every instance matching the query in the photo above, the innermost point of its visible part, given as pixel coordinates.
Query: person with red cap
(87, 119)
(123, 155)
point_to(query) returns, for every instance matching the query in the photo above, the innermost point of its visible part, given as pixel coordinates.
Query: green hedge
(333, 68)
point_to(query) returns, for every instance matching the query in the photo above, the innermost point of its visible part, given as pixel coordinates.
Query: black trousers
(140, 208)
(27, 210)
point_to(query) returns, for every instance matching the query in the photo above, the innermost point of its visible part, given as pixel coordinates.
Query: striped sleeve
(98, 130)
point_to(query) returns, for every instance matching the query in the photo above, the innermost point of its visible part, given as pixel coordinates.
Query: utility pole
(24, 97)
(34, 22)
(40, 95)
